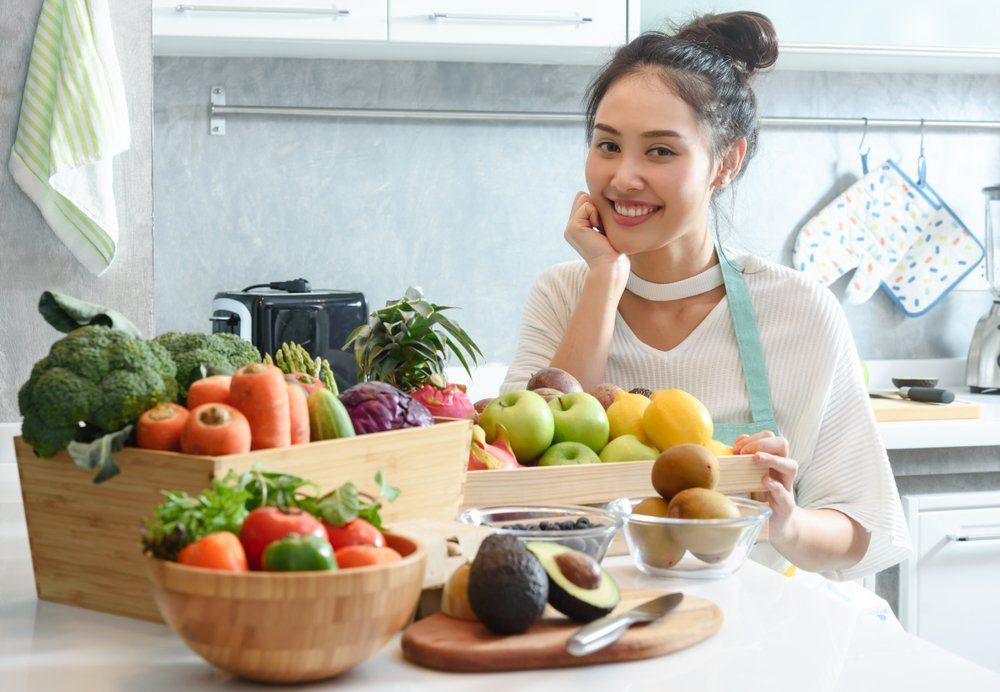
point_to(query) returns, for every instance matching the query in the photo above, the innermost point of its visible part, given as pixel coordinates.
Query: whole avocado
(508, 588)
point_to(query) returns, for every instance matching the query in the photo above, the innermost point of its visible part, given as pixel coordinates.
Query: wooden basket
(85, 538)
(592, 483)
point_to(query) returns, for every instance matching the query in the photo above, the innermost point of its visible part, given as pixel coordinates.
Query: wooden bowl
(289, 626)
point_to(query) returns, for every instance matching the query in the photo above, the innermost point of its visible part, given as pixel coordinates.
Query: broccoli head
(95, 380)
(195, 353)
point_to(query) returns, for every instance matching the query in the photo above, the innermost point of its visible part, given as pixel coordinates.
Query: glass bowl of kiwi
(589, 529)
(674, 539)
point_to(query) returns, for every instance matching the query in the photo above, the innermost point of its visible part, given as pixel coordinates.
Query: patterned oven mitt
(939, 259)
(869, 227)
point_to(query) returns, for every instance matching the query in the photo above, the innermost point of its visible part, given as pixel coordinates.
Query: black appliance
(291, 311)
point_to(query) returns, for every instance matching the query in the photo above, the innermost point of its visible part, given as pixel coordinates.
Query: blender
(982, 369)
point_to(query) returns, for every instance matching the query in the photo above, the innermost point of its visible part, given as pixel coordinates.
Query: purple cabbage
(377, 406)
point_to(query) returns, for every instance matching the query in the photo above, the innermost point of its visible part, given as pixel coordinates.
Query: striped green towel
(73, 120)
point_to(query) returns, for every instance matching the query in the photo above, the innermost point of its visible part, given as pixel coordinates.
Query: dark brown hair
(708, 63)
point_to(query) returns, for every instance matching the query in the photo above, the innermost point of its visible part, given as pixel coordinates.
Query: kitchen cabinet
(263, 27)
(948, 590)
(523, 31)
(859, 35)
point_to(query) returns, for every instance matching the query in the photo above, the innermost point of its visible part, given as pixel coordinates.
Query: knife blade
(608, 629)
(925, 394)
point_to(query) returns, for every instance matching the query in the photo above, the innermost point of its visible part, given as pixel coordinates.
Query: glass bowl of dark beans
(580, 527)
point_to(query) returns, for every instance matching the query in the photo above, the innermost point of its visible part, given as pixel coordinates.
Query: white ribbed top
(820, 400)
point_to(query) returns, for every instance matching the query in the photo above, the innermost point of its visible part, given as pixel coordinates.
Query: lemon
(719, 449)
(674, 417)
(625, 416)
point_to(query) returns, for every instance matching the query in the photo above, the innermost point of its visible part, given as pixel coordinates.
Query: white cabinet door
(949, 591)
(597, 23)
(887, 35)
(235, 27)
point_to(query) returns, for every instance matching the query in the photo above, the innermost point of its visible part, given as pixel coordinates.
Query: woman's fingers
(781, 469)
(764, 441)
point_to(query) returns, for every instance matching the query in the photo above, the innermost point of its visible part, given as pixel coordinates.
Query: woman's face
(650, 169)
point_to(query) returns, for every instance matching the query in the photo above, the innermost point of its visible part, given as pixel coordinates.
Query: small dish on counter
(588, 529)
(690, 548)
(914, 381)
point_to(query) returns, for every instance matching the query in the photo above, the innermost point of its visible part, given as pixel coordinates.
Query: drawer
(264, 20)
(595, 23)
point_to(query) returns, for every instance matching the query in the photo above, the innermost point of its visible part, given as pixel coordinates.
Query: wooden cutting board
(887, 410)
(446, 643)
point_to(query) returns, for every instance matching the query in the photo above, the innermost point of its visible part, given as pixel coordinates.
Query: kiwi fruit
(654, 542)
(708, 543)
(684, 466)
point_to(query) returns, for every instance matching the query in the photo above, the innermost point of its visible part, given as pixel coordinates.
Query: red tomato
(220, 550)
(365, 555)
(267, 524)
(356, 532)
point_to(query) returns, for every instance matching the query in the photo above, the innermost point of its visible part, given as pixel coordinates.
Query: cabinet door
(598, 23)
(948, 591)
(198, 23)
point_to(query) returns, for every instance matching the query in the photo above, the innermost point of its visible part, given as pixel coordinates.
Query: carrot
(215, 430)
(213, 389)
(260, 392)
(160, 427)
(298, 412)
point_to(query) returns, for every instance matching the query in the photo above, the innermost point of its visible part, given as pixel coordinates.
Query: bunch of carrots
(254, 408)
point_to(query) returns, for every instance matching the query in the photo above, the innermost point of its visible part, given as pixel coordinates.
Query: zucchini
(328, 418)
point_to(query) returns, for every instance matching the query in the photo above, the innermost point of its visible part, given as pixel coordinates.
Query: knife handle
(598, 634)
(928, 394)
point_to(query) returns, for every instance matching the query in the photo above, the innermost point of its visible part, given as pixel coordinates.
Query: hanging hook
(862, 150)
(921, 161)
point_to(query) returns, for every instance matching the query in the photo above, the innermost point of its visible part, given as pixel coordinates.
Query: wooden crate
(85, 538)
(592, 483)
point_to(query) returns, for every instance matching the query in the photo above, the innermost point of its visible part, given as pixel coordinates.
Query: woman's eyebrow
(651, 134)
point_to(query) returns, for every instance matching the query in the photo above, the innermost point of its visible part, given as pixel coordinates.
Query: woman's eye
(661, 151)
(608, 147)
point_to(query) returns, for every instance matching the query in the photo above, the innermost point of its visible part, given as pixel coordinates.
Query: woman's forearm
(583, 351)
(822, 540)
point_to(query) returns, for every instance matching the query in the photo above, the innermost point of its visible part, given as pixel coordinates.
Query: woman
(672, 122)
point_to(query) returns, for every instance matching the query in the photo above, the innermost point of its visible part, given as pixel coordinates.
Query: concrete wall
(32, 259)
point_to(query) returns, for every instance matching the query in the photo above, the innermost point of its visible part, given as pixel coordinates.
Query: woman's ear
(731, 162)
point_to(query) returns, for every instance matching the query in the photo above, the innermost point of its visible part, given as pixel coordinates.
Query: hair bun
(748, 38)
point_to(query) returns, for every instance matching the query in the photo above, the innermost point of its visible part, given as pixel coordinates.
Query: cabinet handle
(561, 19)
(332, 10)
(960, 538)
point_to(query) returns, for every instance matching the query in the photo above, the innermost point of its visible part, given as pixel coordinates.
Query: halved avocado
(579, 587)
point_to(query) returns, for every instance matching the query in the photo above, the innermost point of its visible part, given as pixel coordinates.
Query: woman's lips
(632, 213)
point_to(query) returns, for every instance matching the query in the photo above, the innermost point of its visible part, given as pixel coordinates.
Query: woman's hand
(593, 246)
(771, 453)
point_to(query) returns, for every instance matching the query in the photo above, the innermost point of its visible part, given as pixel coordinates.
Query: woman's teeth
(633, 211)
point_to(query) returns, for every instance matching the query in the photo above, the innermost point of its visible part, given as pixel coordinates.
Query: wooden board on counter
(446, 643)
(889, 410)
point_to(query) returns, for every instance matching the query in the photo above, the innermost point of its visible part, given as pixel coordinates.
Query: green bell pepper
(297, 553)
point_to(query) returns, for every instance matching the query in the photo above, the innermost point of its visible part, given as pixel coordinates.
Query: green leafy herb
(182, 519)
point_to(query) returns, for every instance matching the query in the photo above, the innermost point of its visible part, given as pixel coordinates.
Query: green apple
(527, 418)
(566, 453)
(628, 448)
(580, 417)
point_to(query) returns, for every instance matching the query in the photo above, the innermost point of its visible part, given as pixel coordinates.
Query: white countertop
(779, 634)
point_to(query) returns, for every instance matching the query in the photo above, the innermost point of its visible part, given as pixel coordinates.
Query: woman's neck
(675, 261)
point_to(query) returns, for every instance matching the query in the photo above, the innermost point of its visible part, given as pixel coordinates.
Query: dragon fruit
(483, 456)
(445, 400)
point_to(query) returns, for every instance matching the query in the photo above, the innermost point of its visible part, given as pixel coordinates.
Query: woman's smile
(628, 213)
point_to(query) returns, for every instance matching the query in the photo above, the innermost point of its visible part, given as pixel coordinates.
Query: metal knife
(608, 629)
(927, 394)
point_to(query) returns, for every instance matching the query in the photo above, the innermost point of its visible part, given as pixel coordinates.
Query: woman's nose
(627, 176)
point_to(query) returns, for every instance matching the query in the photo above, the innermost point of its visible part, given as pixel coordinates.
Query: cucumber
(328, 418)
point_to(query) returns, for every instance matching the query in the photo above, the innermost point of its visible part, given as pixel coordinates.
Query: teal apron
(751, 356)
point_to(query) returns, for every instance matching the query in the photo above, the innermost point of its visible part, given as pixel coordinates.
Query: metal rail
(219, 109)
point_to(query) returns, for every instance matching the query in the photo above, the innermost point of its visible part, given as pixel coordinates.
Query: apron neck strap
(747, 339)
